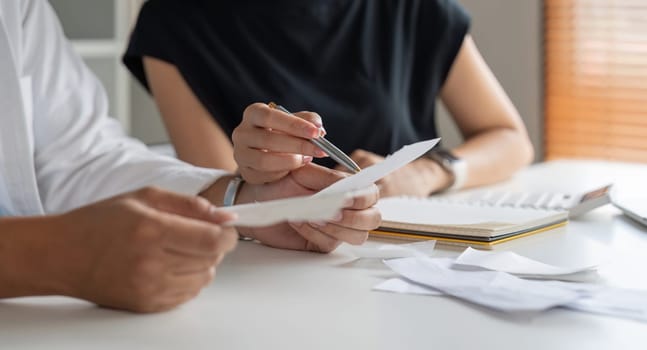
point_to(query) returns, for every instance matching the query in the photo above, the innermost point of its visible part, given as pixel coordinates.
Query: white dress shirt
(58, 148)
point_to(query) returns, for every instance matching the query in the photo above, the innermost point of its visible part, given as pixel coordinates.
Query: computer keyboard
(543, 200)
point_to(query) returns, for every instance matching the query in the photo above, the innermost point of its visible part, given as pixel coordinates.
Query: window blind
(595, 94)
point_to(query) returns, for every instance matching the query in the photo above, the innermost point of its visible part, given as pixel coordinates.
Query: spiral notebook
(484, 218)
(461, 223)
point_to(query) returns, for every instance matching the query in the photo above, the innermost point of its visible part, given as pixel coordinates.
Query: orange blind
(596, 79)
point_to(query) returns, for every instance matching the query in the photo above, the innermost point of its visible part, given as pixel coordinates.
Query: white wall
(509, 35)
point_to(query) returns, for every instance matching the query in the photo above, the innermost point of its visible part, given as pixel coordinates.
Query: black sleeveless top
(371, 68)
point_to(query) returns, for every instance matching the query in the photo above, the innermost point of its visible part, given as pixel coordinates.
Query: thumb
(316, 177)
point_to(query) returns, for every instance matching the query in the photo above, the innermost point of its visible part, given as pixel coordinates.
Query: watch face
(448, 155)
(452, 164)
(443, 156)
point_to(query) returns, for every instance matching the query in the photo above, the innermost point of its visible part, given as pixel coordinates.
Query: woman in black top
(372, 69)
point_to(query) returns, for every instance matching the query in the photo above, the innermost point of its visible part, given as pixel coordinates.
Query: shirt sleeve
(156, 34)
(81, 154)
(447, 25)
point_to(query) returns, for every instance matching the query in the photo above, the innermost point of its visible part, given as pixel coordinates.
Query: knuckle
(145, 233)
(265, 139)
(235, 135)
(148, 192)
(264, 117)
(241, 158)
(315, 118)
(252, 109)
(197, 203)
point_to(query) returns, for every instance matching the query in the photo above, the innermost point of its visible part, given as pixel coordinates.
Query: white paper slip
(391, 251)
(616, 302)
(399, 285)
(391, 163)
(497, 290)
(521, 266)
(596, 299)
(320, 208)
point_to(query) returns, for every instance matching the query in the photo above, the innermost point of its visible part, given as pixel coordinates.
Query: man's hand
(145, 251)
(352, 226)
(418, 178)
(268, 143)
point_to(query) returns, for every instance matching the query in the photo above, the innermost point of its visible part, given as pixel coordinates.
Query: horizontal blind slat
(595, 72)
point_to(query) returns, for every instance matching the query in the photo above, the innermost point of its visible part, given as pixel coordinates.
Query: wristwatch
(455, 166)
(233, 187)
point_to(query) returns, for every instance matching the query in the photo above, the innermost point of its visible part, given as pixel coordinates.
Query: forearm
(494, 155)
(30, 263)
(197, 137)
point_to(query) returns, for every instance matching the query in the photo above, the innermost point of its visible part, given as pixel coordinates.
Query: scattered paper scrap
(399, 285)
(494, 289)
(522, 266)
(485, 278)
(390, 251)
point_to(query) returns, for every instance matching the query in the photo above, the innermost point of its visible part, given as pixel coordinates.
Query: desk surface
(276, 299)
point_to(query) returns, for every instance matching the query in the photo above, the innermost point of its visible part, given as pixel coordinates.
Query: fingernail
(322, 131)
(320, 153)
(337, 217)
(312, 131)
(306, 159)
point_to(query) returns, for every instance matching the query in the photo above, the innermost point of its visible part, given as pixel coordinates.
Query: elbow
(526, 150)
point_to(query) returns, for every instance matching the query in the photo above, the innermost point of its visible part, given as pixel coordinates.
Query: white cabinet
(99, 31)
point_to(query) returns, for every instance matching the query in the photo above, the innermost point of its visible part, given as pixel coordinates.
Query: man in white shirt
(135, 247)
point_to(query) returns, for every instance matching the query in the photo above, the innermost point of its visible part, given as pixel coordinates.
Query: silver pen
(327, 146)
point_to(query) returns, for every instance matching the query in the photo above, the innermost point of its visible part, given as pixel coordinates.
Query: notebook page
(420, 211)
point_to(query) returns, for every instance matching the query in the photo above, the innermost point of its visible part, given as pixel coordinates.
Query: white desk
(265, 298)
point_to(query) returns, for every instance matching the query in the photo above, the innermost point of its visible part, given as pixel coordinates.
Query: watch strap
(232, 191)
(455, 166)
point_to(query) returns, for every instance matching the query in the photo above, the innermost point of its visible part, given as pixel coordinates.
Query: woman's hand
(352, 226)
(268, 143)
